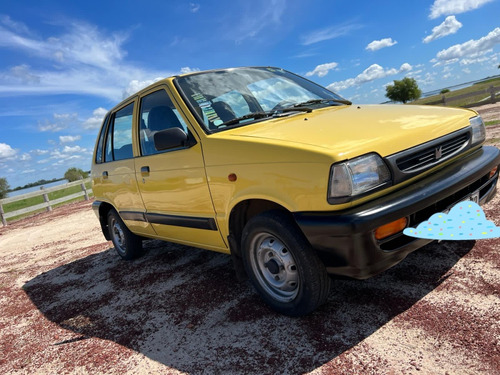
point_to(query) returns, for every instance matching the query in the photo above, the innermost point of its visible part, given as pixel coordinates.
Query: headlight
(356, 177)
(478, 130)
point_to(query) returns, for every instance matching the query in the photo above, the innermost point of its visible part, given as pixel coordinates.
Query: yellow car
(293, 181)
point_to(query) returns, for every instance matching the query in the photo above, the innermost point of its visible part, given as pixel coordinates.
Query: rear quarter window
(100, 144)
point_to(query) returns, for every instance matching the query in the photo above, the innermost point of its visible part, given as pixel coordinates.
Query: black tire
(282, 266)
(127, 245)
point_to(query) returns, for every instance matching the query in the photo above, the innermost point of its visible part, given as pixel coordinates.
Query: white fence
(47, 204)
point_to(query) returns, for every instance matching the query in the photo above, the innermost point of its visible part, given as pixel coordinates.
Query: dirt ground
(491, 112)
(69, 305)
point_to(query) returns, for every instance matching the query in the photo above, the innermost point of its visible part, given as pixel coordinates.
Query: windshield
(235, 97)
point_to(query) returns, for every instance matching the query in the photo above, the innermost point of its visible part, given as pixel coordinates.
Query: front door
(173, 183)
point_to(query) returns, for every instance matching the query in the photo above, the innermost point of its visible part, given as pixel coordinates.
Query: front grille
(433, 154)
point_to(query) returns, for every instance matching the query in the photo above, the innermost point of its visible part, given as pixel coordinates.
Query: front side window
(235, 97)
(157, 113)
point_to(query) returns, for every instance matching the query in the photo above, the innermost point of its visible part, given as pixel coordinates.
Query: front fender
(294, 186)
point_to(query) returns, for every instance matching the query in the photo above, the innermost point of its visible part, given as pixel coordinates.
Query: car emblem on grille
(438, 152)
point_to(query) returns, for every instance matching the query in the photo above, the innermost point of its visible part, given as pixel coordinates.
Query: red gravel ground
(69, 305)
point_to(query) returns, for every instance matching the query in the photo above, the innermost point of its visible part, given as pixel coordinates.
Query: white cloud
(67, 153)
(22, 73)
(136, 85)
(382, 43)
(25, 157)
(322, 70)
(449, 26)
(81, 59)
(446, 7)
(257, 17)
(95, 121)
(73, 149)
(472, 47)
(82, 44)
(405, 68)
(331, 32)
(6, 151)
(17, 26)
(38, 152)
(69, 138)
(187, 69)
(476, 58)
(371, 73)
(193, 8)
(61, 121)
(428, 80)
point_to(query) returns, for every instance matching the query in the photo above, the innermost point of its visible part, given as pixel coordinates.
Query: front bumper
(345, 240)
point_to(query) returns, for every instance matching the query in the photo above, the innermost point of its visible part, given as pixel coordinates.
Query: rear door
(173, 183)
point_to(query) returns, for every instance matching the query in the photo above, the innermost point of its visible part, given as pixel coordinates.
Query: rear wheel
(127, 245)
(282, 265)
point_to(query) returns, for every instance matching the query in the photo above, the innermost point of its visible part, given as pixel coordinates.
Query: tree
(444, 91)
(4, 187)
(74, 174)
(403, 91)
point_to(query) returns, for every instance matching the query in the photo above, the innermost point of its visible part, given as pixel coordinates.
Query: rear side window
(119, 136)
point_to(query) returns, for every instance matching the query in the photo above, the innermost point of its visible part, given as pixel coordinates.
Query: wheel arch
(243, 212)
(102, 209)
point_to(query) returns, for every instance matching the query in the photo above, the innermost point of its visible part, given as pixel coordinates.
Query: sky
(64, 64)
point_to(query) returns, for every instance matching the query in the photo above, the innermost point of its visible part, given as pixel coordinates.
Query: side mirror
(170, 138)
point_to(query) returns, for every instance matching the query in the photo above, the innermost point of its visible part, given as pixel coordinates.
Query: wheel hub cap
(272, 266)
(118, 233)
(275, 267)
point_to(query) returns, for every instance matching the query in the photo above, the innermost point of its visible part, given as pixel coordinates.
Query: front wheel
(127, 245)
(282, 266)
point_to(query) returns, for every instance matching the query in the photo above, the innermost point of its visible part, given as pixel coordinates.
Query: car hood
(349, 131)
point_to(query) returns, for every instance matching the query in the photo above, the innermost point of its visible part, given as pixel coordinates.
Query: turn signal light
(394, 227)
(492, 172)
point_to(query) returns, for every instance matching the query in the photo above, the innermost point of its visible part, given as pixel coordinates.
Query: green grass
(462, 102)
(493, 122)
(19, 205)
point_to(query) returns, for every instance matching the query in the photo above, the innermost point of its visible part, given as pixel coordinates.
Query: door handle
(145, 171)
(105, 174)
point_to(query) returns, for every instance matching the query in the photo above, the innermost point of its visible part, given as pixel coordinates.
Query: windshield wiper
(253, 115)
(322, 101)
(260, 115)
(296, 108)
